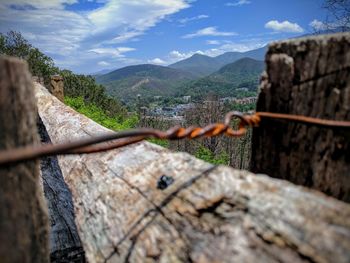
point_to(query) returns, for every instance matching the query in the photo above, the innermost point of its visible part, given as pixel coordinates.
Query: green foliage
(163, 143)
(242, 107)
(146, 80)
(238, 79)
(200, 65)
(41, 65)
(2, 44)
(14, 44)
(76, 86)
(92, 93)
(206, 155)
(97, 114)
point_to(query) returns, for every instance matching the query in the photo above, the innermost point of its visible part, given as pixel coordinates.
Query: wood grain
(23, 213)
(207, 214)
(310, 77)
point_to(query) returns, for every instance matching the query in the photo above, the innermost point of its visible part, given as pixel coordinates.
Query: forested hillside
(198, 64)
(86, 96)
(80, 90)
(202, 65)
(237, 79)
(147, 80)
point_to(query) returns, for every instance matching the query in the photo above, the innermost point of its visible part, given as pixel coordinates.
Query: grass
(97, 114)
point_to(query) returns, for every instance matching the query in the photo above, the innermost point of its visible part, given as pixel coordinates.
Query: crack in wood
(165, 201)
(293, 248)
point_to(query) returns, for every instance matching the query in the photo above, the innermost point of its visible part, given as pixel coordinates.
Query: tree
(14, 44)
(77, 85)
(41, 65)
(2, 44)
(338, 14)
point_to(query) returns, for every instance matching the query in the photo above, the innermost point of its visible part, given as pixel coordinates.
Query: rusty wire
(114, 140)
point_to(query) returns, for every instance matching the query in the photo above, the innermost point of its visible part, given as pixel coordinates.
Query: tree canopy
(76, 86)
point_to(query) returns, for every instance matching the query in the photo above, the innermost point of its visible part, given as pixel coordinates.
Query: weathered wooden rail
(205, 213)
(208, 213)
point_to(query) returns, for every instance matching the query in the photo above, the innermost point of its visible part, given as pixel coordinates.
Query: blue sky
(90, 35)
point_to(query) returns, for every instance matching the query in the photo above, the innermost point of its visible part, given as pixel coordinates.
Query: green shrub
(98, 115)
(160, 142)
(206, 155)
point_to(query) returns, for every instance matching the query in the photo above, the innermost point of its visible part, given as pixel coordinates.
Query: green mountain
(201, 65)
(100, 72)
(230, 57)
(237, 78)
(147, 80)
(246, 68)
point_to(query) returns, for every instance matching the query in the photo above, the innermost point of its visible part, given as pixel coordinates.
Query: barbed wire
(114, 140)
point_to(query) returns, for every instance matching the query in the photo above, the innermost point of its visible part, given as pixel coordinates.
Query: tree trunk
(143, 203)
(310, 77)
(23, 212)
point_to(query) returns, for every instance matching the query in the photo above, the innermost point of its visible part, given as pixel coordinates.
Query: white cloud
(176, 55)
(123, 37)
(284, 26)
(238, 3)
(157, 61)
(235, 47)
(229, 46)
(188, 19)
(103, 63)
(128, 61)
(41, 4)
(114, 52)
(125, 16)
(67, 35)
(317, 25)
(53, 31)
(209, 31)
(212, 42)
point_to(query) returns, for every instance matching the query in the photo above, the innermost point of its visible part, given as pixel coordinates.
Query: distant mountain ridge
(241, 75)
(146, 79)
(195, 76)
(145, 70)
(243, 66)
(201, 65)
(101, 72)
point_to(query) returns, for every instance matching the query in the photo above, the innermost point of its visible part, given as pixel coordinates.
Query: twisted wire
(114, 140)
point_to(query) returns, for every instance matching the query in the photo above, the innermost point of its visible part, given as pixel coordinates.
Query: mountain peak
(245, 64)
(198, 55)
(202, 65)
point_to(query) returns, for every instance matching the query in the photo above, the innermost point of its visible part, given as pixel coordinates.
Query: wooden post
(23, 213)
(310, 77)
(57, 87)
(144, 203)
